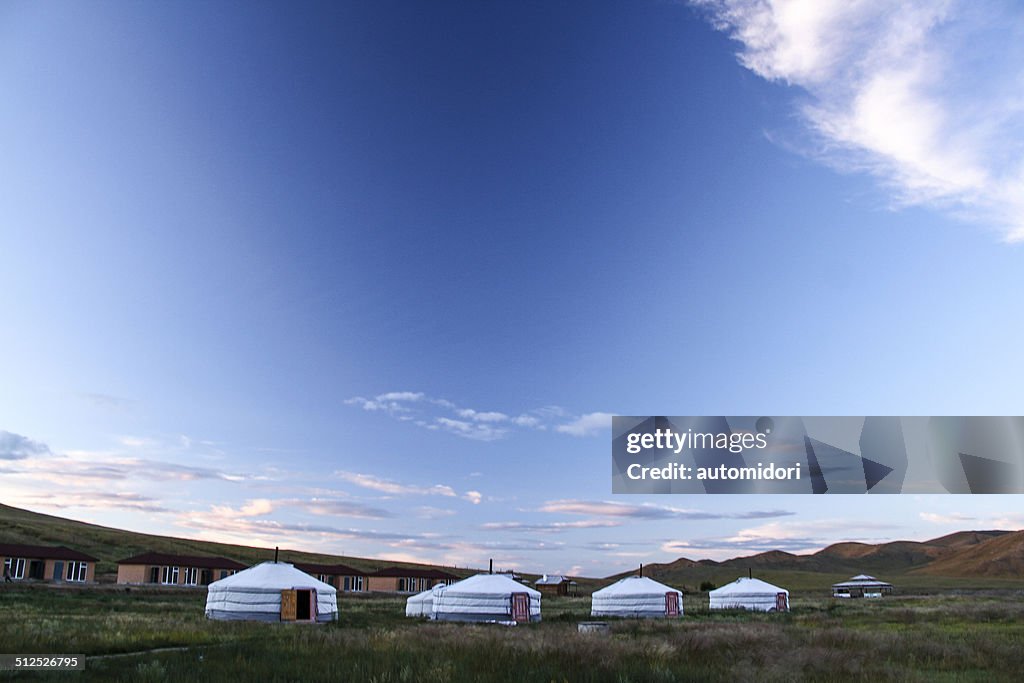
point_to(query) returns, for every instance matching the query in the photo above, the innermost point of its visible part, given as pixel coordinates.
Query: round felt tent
(751, 594)
(422, 604)
(487, 597)
(272, 591)
(637, 596)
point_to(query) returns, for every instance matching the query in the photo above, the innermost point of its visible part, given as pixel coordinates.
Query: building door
(672, 604)
(520, 607)
(781, 603)
(58, 571)
(36, 569)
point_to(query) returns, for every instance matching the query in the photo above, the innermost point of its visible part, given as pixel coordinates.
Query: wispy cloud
(588, 425)
(948, 518)
(101, 467)
(924, 95)
(105, 400)
(441, 415)
(650, 511)
(17, 447)
(342, 508)
(430, 512)
(374, 483)
(89, 499)
(551, 527)
(788, 536)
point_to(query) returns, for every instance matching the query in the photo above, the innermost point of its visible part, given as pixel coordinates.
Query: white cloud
(528, 421)
(254, 508)
(470, 430)
(374, 483)
(951, 518)
(428, 512)
(924, 95)
(588, 425)
(476, 416)
(607, 508)
(441, 415)
(401, 396)
(552, 526)
(474, 497)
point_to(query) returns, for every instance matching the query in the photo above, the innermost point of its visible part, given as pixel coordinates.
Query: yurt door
(672, 604)
(304, 605)
(781, 602)
(520, 607)
(288, 605)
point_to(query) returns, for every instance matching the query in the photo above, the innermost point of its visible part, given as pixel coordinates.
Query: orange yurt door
(520, 607)
(672, 604)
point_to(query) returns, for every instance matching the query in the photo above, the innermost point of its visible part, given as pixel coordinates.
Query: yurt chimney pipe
(641, 569)
(750, 573)
(490, 566)
(276, 548)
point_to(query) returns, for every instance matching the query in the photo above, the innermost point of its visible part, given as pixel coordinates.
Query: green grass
(975, 637)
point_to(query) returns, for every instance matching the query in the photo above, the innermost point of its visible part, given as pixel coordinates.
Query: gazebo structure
(861, 586)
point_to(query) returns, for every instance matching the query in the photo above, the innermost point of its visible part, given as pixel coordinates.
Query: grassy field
(967, 637)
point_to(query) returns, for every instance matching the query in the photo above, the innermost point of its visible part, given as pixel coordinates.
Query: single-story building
(163, 569)
(861, 586)
(46, 563)
(342, 577)
(554, 584)
(404, 580)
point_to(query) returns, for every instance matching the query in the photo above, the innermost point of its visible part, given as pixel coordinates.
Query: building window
(77, 571)
(353, 583)
(191, 576)
(14, 567)
(169, 576)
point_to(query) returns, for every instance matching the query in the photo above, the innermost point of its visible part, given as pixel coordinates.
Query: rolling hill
(991, 556)
(988, 558)
(111, 545)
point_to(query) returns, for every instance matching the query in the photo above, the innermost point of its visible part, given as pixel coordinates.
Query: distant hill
(111, 545)
(990, 555)
(998, 556)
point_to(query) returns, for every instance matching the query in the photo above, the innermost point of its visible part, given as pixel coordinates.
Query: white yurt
(422, 604)
(752, 594)
(272, 591)
(487, 597)
(637, 596)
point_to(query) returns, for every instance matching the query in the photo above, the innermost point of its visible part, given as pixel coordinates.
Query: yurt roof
(861, 580)
(269, 575)
(634, 585)
(490, 584)
(747, 586)
(423, 596)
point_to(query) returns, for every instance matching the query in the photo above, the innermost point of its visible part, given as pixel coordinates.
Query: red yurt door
(672, 604)
(781, 604)
(520, 607)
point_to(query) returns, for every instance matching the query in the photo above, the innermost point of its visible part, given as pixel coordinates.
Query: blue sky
(368, 277)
